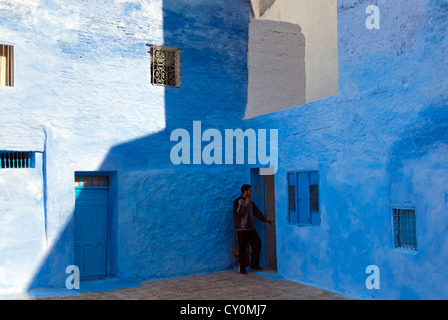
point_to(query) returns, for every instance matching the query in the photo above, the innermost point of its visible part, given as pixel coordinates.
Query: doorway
(263, 194)
(91, 225)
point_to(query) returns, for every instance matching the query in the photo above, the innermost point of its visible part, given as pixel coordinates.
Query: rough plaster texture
(276, 65)
(83, 100)
(318, 20)
(380, 143)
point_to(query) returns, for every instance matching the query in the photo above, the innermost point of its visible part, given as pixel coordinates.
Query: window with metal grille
(93, 181)
(303, 198)
(405, 230)
(165, 66)
(6, 65)
(292, 197)
(16, 160)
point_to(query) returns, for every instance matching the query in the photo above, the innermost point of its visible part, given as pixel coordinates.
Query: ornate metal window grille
(16, 160)
(165, 66)
(292, 197)
(314, 197)
(405, 231)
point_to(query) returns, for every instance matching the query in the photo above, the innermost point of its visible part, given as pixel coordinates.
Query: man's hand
(270, 222)
(247, 201)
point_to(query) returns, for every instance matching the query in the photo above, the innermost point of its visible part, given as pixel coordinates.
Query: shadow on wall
(421, 137)
(166, 220)
(428, 135)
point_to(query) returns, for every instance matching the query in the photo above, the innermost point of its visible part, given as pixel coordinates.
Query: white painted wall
(276, 66)
(318, 20)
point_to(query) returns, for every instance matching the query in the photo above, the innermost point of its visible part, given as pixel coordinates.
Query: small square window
(405, 230)
(6, 65)
(165, 66)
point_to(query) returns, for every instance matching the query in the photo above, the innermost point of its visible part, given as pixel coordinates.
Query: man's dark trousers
(243, 238)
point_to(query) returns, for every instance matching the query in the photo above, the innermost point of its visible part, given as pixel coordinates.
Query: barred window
(314, 195)
(165, 66)
(292, 197)
(91, 180)
(6, 65)
(16, 160)
(405, 230)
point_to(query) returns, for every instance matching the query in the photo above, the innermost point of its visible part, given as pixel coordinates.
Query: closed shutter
(304, 198)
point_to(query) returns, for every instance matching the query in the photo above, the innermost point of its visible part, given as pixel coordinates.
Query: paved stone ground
(228, 285)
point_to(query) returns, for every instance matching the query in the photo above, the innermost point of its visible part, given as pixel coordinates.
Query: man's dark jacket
(241, 211)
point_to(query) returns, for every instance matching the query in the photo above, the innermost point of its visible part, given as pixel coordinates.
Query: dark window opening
(405, 230)
(16, 160)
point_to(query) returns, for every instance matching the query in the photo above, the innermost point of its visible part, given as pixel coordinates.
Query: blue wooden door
(91, 232)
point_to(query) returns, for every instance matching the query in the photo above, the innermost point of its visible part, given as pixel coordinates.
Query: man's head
(246, 190)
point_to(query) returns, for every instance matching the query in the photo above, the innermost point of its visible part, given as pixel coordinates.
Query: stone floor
(228, 285)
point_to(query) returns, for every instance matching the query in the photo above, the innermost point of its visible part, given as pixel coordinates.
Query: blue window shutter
(304, 198)
(314, 198)
(293, 217)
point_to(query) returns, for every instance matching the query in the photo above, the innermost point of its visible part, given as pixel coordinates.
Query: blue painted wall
(84, 101)
(381, 142)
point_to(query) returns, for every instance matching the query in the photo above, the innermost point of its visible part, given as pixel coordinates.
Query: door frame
(111, 220)
(257, 180)
(272, 235)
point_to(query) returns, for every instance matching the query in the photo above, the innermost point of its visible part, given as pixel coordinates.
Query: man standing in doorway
(244, 210)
